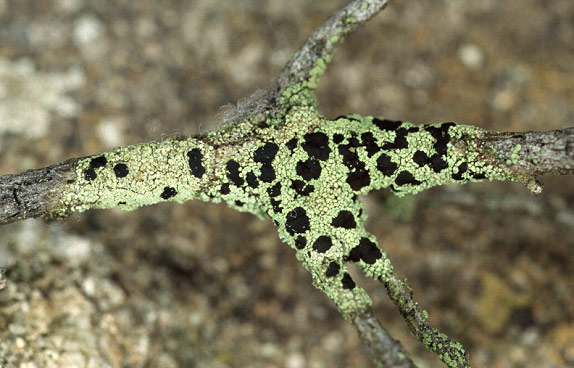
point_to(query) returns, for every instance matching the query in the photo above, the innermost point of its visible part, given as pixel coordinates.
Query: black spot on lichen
(266, 154)
(252, 180)
(168, 192)
(267, 173)
(292, 144)
(99, 161)
(224, 189)
(232, 167)
(322, 244)
(302, 188)
(338, 138)
(196, 162)
(276, 205)
(462, 168)
(370, 143)
(239, 203)
(437, 163)
(353, 141)
(358, 177)
(344, 219)
(121, 170)
(317, 145)
(90, 174)
(405, 178)
(420, 158)
(385, 165)
(366, 251)
(274, 191)
(332, 269)
(400, 140)
(310, 169)
(478, 176)
(297, 221)
(347, 282)
(441, 135)
(385, 124)
(300, 242)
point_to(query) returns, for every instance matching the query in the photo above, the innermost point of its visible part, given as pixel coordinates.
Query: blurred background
(200, 285)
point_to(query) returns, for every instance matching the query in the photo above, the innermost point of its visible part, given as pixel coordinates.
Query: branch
(34, 193)
(301, 74)
(309, 62)
(387, 351)
(529, 155)
(449, 351)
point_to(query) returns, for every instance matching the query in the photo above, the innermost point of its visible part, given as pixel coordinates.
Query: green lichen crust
(306, 173)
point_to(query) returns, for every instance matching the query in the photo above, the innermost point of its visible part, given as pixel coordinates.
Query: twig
(387, 351)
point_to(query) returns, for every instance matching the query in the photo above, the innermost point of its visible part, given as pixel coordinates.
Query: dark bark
(34, 193)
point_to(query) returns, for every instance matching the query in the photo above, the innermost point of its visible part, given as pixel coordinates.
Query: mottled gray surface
(199, 285)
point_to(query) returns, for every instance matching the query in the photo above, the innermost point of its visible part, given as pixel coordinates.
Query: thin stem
(387, 351)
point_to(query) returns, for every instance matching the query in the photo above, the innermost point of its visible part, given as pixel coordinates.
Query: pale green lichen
(154, 168)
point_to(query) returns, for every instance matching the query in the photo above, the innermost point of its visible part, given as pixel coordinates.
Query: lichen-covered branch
(277, 156)
(309, 62)
(529, 155)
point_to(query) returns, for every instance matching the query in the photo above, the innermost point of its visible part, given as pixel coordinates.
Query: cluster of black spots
(441, 135)
(95, 163)
(322, 244)
(297, 221)
(386, 125)
(168, 192)
(121, 170)
(309, 169)
(352, 141)
(302, 188)
(265, 155)
(224, 189)
(462, 168)
(300, 242)
(275, 191)
(358, 177)
(344, 219)
(385, 165)
(317, 145)
(292, 144)
(436, 161)
(366, 251)
(98, 162)
(400, 140)
(252, 180)
(333, 269)
(406, 177)
(196, 162)
(347, 282)
(338, 138)
(370, 143)
(232, 167)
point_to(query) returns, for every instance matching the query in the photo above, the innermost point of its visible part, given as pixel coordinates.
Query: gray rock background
(199, 285)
